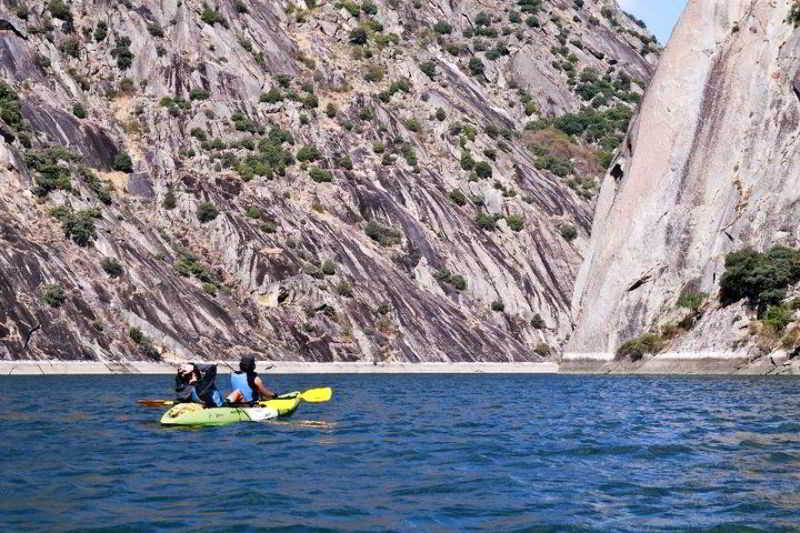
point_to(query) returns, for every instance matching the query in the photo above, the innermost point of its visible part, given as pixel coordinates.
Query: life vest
(245, 383)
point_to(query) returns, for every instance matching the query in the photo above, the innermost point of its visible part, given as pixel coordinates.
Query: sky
(659, 15)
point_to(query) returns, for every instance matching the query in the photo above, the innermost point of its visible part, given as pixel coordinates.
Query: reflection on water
(476, 453)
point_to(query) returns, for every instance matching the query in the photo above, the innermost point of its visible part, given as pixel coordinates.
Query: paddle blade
(156, 403)
(317, 395)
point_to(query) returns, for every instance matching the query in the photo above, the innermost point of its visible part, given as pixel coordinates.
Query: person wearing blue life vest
(247, 386)
(196, 383)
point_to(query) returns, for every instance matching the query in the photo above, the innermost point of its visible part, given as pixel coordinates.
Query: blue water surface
(409, 453)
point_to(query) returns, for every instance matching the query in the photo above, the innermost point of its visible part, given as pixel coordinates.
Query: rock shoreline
(273, 367)
(699, 365)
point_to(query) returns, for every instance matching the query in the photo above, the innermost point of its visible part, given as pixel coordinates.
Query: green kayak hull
(192, 414)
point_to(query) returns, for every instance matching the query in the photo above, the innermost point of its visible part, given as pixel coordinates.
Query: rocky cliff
(709, 168)
(322, 181)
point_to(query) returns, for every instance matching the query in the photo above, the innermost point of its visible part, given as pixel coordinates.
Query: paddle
(320, 395)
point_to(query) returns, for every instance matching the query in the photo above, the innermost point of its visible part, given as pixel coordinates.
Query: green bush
(440, 115)
(320, 175)
(170, 201)
(213, 16)
(358, 36)
(123, 53)
(794, 13)
(692, 300)
(498, 306)
(112, 267)
(50, 174)
(53, 295)
(369, 7)
(476, 66)
(542, 349)
(272, 96)
(777, 317)
(78, 110)
(100, 31)
(328, 268)
(206, 212)
(458, 197)
(308, 153)
(136, 335)
(343, 288)
(59, 10)
(254, 212)
(568, 232)
(538, 322)
(330, 110)
(467, 163)
(79, 226)
(486, 222)
(198, 94)
(412, 124)
(442, 28)
(762, 279)
(515, 222)
(458, 281)
(189, 265)
(383, 235)
(635, 349)
(483, 169)
(345, 162)
(122, 162)
(428, 68)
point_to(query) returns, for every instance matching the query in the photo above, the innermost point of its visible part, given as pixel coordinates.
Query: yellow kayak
(194, 414)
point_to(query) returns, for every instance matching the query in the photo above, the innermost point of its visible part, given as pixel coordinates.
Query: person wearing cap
(247, 386)
(196, 383)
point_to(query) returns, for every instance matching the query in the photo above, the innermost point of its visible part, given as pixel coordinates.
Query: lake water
(409, 453)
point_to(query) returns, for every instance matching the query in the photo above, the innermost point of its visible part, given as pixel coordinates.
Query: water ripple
(410, 453)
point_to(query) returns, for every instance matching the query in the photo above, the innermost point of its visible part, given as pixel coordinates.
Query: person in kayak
(247, 385)
(195, 382)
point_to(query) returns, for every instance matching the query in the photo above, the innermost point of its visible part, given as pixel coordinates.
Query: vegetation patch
(760, 278)
(635, 349)
(383, 235)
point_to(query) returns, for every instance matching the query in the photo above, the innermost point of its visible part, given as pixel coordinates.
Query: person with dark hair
(247, 386)
(195, 382)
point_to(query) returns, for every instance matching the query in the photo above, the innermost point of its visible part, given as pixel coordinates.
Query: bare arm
(263, 390)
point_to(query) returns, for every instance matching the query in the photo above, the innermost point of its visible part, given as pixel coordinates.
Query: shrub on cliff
(122, 162)
(320, 175)
(213, 16)
(206, 212)
(635, 349)
(53, 295)
(383, 235)
(78, 110)
(762, 279)
(794, 13)
(59, 10)
(568, 232)
(123, 53)
(476, 66)
(79, 226)
(100, 31)
(112, 267)
(692, 300)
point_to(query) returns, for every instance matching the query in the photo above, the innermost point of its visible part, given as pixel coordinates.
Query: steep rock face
(291, 190)
(711, 167)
